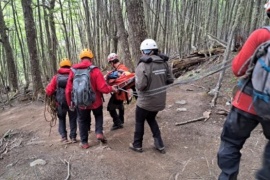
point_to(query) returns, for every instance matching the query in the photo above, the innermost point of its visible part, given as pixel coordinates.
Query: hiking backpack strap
(266, 27)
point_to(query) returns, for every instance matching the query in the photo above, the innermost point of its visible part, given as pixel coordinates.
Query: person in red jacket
(57, 87)
(99, 86)
(242, 118)
(114, 103)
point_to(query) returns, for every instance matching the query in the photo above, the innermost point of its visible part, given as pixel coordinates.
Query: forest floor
(190, 149)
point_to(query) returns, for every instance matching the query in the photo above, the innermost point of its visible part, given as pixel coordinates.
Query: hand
(114, 89)
(71, 108)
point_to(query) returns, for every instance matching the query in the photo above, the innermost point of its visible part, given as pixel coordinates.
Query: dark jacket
(151, 74)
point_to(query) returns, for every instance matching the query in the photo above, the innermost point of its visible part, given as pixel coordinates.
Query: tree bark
(12, 75)
(137, 26)
(122, 34)
(32, 46)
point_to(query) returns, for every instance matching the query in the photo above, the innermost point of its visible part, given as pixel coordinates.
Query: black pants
(236, 130)
(61, 113)
(84, 121)
(150, 117)
(113, 105)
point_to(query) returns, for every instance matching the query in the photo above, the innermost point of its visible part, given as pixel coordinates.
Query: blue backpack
(82, 92)
(257, 80)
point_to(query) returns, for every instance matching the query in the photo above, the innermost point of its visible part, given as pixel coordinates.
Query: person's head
(149, 47)
(65, 63)
(267, 8)
(113, 59)
(86, 54)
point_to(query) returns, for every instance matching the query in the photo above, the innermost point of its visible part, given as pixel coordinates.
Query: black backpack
(60, 90)
(82, 92)
(257, 80)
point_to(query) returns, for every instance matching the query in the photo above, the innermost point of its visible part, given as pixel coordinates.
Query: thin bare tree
(12, 75)
(32, 46)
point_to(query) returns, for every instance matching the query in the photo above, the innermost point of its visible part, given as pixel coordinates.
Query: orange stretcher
(125, 81)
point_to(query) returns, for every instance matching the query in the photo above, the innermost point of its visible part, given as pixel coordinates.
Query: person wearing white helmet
(151, 74)
(242, 118)
(114, 103)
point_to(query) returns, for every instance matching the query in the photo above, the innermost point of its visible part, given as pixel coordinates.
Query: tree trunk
(12, 75)
(122, 35)
(137, 26)
(32, 47)
(65, 30)
(54, 44)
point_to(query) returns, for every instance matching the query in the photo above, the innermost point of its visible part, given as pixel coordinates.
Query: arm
(51, 88)
(101, 83)
(141, 78)
(256, 38)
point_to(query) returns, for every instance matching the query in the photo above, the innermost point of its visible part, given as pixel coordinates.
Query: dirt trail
(191, 148)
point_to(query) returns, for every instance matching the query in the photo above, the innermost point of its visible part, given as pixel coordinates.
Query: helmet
(112, 57)
(267, 8)
(86, 53)
(148, 44)
(65, 62)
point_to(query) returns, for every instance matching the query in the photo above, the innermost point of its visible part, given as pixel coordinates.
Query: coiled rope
(51, 108)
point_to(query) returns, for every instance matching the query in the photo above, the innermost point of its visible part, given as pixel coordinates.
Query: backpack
(82, 92)
(60, 90)
(257, 80)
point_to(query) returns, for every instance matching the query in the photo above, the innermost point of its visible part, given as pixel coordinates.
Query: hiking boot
(101, 138)
(64, 140)
(73, 140)
(159, 145)
(161, 150)
(115, 127)
(122, 121)
(84, 145)
(134, 148)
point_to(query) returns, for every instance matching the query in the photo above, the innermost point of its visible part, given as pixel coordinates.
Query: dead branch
(4, 136)
(187, 62)
(222, 43)
(186, 164)
(190, 121)
(68, 169)
(3, 150)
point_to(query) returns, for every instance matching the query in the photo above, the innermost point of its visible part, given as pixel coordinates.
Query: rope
(162, 89)
(51, 108)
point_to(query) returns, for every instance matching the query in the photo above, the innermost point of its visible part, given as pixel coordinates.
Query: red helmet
(112, 57)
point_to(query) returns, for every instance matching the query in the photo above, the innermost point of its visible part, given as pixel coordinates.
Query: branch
(68, 168)
(222, 43)
(190, 121)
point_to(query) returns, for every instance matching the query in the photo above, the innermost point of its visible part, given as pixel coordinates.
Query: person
(99, 87)
(57, 87)
(242, 118)
(114, 103)
(152, 72)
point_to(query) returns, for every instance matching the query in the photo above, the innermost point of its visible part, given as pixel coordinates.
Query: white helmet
(148, 44)
(112, 57)
(267, 6)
